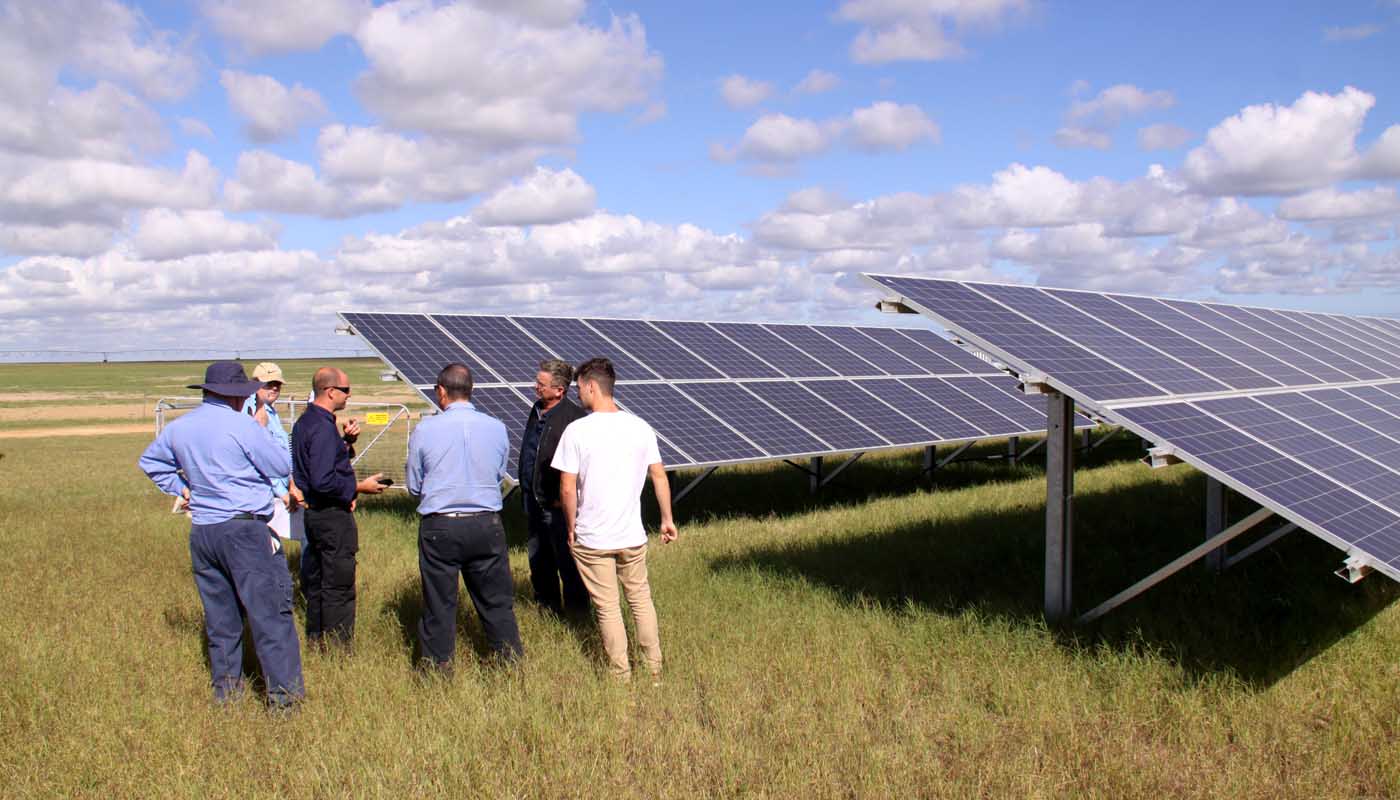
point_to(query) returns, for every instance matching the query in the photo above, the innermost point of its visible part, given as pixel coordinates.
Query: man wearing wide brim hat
(224, 464)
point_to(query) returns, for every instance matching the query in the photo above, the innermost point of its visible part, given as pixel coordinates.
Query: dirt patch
(75, 412)
(50, 397)
(77, 430)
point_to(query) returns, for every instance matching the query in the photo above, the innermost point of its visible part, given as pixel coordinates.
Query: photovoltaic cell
(413, 345)
(943, 392)
(870, 350)
(948, 350)
(575, 342)
(885, 420)
(711, 345)
(691, 428)
(1318, 341)
(662, 355)
(756, 420)
(1217, 317)
(840, 360)
(498, 343)
(943, 422)
(981, 390)
(928, 361)
(789, 360)
(820, 417)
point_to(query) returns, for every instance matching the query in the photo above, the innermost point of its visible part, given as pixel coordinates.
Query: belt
(458, 514)
(252, 516)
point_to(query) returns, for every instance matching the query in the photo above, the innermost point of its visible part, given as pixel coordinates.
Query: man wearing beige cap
(262, 407)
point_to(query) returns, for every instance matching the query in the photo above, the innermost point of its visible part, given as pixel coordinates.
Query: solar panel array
(1298, 410)
(721, 393)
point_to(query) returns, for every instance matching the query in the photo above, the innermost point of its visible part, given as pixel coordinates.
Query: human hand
(183, 504)
(370, 485)
(296, 495)
(289, 501)
(571, 537)
(352, 431)
(668, 531)
(261, 415)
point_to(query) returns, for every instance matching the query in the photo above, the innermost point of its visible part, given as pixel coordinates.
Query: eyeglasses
(343, 389)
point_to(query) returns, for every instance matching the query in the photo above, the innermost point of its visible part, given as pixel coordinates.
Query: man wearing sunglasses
(321, 469)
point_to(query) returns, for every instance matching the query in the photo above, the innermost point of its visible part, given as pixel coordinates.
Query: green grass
(881, 640)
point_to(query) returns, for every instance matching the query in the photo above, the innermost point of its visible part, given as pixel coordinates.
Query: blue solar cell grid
(662, 355)
(414, 346)
(944, 393)
(708, 343)
(688, 426)
(942, 422)
(884, 419)
(789, 360)
(575, 343)
(758, 421)
(927, 360)
(1318, 342)
(502, 346)
(1022, 417)
(1217, 317)
(870, 350)
(1310, 350)
(829, 353)
(1362, 333)
(822, 418)
(946, 349)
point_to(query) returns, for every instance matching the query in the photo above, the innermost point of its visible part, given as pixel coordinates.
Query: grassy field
(881, 640)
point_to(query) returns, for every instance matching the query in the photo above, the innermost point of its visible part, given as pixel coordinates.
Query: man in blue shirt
(321, 469)
(224, 464)
(551, 562)
(456, 461)
(262, 407)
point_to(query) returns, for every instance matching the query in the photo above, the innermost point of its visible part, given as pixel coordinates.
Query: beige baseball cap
(268, 372)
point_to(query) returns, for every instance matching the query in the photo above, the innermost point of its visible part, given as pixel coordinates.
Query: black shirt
(321, 460)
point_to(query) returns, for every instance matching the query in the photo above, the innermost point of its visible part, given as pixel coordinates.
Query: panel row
(1329, 458)
(506, 350)
(1109, 347)
(716, 423)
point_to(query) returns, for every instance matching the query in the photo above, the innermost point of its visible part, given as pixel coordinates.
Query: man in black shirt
(321, 469)
(548, 546)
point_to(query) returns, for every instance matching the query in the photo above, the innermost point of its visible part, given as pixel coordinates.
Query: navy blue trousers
(551, 561)
(328, 574)
(240, 578)
(475, 548)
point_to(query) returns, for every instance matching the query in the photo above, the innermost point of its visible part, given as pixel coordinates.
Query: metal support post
(1260, 545)
(848, 462)
(814, 475)
(962, 448)
(1059, 507)
(1085, 438)
(690, 487)
(1026, 453)
(930, 462)
(1215, 523)
(1013, 448)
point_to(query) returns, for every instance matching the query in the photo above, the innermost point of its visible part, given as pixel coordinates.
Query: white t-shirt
(610, 452)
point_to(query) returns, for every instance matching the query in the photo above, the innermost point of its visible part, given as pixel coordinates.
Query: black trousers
(475, 548)
(551, 562)
(328, 573)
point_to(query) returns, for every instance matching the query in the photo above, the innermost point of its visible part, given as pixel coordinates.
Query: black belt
(458, 514)
(252, 516)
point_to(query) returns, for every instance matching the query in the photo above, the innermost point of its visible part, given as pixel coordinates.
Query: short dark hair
(560, 373)
(456, 380)
(599, 371)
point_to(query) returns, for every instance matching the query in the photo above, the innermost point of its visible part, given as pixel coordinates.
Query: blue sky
(224, 170)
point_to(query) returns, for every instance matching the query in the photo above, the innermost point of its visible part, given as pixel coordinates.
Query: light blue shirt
(279, 434)
(227, 459)
(456, 461)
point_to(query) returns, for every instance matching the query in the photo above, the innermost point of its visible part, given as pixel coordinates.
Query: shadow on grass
(1258, 621)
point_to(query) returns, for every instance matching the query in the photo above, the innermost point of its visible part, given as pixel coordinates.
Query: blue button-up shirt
(228, 463)
(456, 461)
(278, 433)
(530, 445)
(321, 460)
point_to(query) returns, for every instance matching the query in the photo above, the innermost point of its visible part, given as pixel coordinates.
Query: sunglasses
(343, 389)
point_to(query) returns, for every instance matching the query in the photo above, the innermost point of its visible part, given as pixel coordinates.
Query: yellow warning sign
(377, 418)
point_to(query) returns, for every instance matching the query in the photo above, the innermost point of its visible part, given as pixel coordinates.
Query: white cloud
(1163, 136)
(548, 13)
(921, 30)
(1330, 204)
(1353, 33)
(268, 182)
(1083, 138)
(887, 126)
(1268, 149)
(1382, 161)
(63, 239)
(817, 81)
(780, 138)
(163, 234)
(270, 110)
(544, 198)
(458, 70)
(89, 190)
(740, 92)
(194, 127)
(1088, 123)
(273, 26)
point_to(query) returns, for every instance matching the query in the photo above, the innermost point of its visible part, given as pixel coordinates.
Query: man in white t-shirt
(604, 460)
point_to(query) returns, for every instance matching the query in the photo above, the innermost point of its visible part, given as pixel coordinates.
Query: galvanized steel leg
(1059, 507)
(1013, 448)
(1215, 522)
(814, 475)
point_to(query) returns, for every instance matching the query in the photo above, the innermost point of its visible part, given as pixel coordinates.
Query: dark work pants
(474, 547)
(328, 573)
(239, 576)
(551, 562)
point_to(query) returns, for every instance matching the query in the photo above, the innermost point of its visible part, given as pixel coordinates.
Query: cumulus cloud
(890, 126)
(270, 110)
(741, 92)
(461, 70)
(1163, 136)
(1331, 204)
(817, 81)
(1268, 149)
(163, 234)
(921, 30)
(778, 139)
(1089, 122)
(90, 190)
(272, 26)
(544, 198)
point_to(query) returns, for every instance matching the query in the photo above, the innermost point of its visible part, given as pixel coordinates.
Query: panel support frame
(692, 485)
(1059, 507)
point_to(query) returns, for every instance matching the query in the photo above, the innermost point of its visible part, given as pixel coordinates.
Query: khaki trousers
(602, 571)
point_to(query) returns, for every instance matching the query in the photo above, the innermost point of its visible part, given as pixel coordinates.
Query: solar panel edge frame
(1108, 414)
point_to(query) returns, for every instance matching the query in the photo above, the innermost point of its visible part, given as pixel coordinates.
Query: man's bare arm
(662, 487)
(568, 497)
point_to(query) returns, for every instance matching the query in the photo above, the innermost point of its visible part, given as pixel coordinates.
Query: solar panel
(823, 350)
(927, 360)
(942, 421)
(832, 424)
(415, 347)
(498, 343)
(970, 409)
(948, 350)
(870, 350)
(773, 350)
(874, 413)
(1297, 410)
(717, 349)
(575, 343)
(762, 424)
(692, 429)
(661, 354)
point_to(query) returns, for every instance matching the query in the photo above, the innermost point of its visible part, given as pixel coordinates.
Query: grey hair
(560, 373)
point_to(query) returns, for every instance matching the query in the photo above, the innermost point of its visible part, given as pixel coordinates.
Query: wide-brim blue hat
(227, 378)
